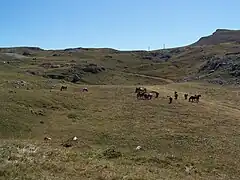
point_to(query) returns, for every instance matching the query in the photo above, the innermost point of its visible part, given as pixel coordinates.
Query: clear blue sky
(120, 24)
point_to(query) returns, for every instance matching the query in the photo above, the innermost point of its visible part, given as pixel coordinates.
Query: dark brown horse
(144, 95)
(155, 92)
(170, 99)
(194, 98)
(198, 97)
(140, 89)
(148, 96)
(84, 89)
(175, 95)
(140, 95)
(63, 88)
(185, 96)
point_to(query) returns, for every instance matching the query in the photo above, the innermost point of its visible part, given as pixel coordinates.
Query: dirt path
(152, 77)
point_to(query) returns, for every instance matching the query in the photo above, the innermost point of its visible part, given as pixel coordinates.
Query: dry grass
(110, 122)
(172, 136)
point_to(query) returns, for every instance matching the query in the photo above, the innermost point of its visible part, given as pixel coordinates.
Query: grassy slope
(184, 62)
(125, 67)
(172, 136)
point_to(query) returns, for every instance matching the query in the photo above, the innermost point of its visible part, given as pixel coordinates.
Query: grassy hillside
(110, 122)
(218, 63)
(172, 136)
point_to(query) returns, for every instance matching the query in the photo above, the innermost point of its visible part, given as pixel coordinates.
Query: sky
(118, 24)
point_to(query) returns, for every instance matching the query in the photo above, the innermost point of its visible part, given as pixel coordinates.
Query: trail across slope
(151, 77)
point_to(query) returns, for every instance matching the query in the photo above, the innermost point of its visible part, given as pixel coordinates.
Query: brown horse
(185, 96)
(155, 92)
(194, 98)
(140, 95)
(170, 99)
(63, 88)
(140, 89)
(148, 96)
(198, 97)
(175, 95)
(144, 95)
(84, 89)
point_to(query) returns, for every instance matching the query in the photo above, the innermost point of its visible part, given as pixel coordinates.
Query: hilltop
(220, 36)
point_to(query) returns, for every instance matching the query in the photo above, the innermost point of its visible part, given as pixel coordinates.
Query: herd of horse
(142, 93)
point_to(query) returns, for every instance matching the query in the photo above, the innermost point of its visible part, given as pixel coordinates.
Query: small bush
(111, 153)
(72, 116)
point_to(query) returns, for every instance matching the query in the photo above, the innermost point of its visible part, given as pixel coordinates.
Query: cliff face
(219, 36)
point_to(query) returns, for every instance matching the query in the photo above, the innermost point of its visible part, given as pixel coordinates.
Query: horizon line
(78, 47)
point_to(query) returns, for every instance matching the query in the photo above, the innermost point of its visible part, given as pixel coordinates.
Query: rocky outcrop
(93, 68)
(228, 63)
(25, 53)
(221, 70)
(155, 56)
(73, 73)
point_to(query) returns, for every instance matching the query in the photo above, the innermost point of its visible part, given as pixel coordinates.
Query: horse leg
(138, 96)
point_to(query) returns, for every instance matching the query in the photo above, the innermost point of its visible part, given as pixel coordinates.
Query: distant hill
(220, 36)
(215, 58)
